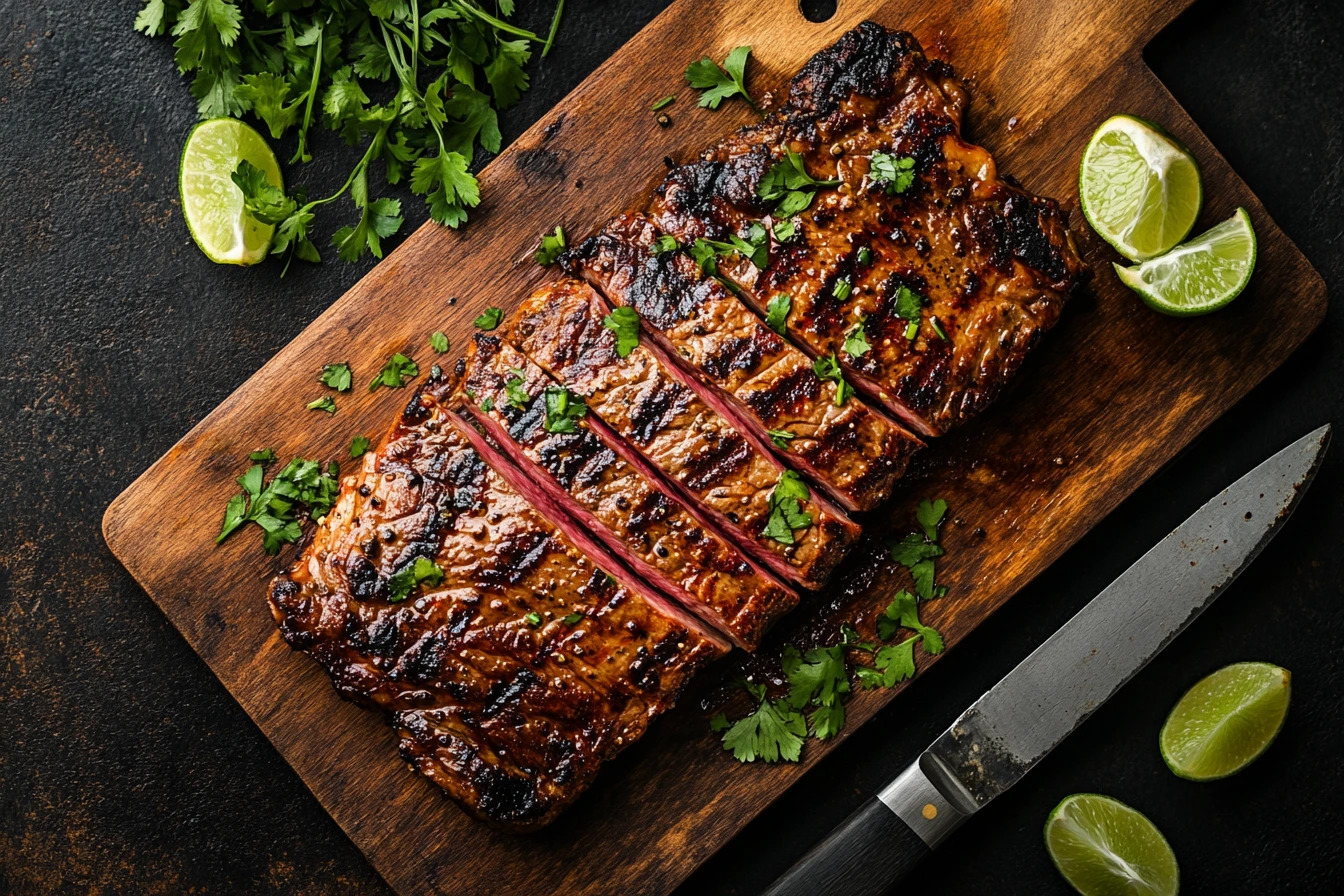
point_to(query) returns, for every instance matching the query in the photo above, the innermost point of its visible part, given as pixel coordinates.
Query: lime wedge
(1225, 721)
(1105, 848)
(1138, 188)
(1200, 276)
(212, 203)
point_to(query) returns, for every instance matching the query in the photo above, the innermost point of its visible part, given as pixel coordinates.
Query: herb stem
(301, 154)
(498, 24)
(555, 26)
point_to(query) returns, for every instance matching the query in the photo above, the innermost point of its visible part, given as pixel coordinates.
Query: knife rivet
(930, 811)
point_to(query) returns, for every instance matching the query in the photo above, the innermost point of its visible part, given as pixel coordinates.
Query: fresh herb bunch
(439, 69)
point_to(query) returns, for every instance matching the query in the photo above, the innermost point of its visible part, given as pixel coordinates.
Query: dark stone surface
(126, 768)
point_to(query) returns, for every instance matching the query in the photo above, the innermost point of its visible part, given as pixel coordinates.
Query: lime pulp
(1225, 721)
(1139, 189)
(211, 203)
(1104, 848)
(1198, 276)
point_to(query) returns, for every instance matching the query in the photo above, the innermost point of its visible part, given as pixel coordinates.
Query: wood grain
(1115, 392)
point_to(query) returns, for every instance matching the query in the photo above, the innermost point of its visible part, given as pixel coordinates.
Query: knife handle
(879, 844)
(864, 856)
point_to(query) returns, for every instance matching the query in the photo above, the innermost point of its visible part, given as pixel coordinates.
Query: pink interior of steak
(666, 426)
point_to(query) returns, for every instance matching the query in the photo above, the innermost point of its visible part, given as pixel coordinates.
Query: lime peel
(1198, 276)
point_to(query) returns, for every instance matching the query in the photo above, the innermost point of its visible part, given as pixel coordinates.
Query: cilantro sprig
(786, 508)
(624, 322)
(827, 369)
(440, 71)
(718, 83)
(788, 184)
(563, 409)
(893, 173)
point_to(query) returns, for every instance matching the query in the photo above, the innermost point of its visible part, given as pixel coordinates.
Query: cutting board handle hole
(817, 10)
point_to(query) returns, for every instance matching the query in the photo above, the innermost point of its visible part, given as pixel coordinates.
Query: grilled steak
(843, 445)
(952, 273)
(511, 679)
(652, 406)
(582, 466)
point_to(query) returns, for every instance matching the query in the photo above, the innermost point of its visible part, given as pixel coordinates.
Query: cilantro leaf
(262, 456)
(663, 103)
(704, 253)
(827, 720)
(788, 184)
(777, 312)
(438, 341)
(398, 371)
(913, 549)
(488, 319)
(903, 612)
(893, 173)
(786, 511)
(624, 322)
(275, 506)
(841, 289)
(896, 662)
(780, 437)
(487, 404)
(336, 376)
(261, 199)
(930, 516)
(827, 369)
(864, 256)
(573, 619)
(325, 403)
(773, 732)
(815, 677)
(784, 230)
(552, 244)
(719, 722)
(359, 446)
(563, 408)
(517, 394)
(856, 341)
(718, 83)
(665, 243)
(421, 572)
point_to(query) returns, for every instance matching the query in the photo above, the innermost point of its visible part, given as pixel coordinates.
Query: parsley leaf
(777, 312)
(422, 572)
(359, 446)
(488, 319)
(718, 83)
(438, 341)
(773, 732)
(325, 403)
(895, 174)
(624, 322)
(563, 408)
(856, 341)
(336, 376)
(827, 368)
(552, 244)
(398, 370)
(780, 437)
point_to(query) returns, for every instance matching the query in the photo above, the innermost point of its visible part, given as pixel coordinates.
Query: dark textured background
(126, 768)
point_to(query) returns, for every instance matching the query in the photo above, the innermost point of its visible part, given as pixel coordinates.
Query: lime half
(1138, 188)
(1225, 721)
(212, 203)
(1200, 276)
(1105, 848)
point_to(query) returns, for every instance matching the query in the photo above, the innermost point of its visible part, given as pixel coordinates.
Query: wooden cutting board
(1114, 392)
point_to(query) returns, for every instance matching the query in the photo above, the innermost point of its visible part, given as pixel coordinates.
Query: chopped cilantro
(865, 256)
(517, 395)
(842, 289)
(398, 371)
(704, 253)
(358, 447)
(552, 244)
(422, 572)
(262, 456)
(856, 341)
(788, 184)
(937, 327)
(336, 376)
(894, 173)
(827, 368)
(325, 403)
(718, 83)
(438, 341)
(903, 612)
(487, 404)
(532, 619)
(664, 244)
(488, 319)
(573, 619)
(780, 437)
(786, 511)
(784, 230)
(663, 103)
(624, 322)
(275, 505)
(563, 407)
(777, 312)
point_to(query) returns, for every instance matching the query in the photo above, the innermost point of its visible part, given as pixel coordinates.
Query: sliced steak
(653, 407)
(515, 675)
(853, 452)
(953, 280)
(584, 467)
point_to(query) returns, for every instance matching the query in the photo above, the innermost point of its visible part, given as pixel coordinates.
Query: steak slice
(991, 264)
(654, 408)
(851, 451)
(514, 677)
(582, 465)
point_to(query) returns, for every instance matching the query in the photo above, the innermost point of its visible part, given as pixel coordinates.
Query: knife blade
(1016, 723)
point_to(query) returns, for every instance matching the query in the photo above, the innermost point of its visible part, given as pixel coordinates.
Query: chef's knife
(1050, 693)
